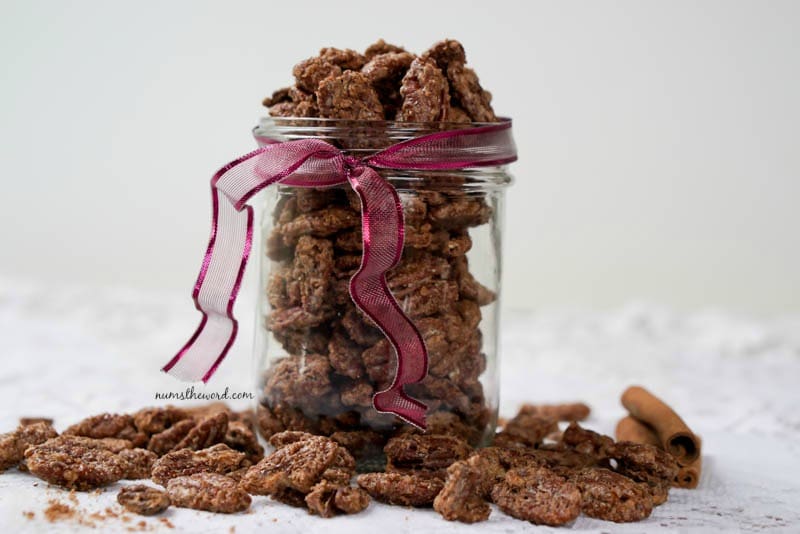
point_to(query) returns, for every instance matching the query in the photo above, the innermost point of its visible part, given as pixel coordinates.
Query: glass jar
(318, 359)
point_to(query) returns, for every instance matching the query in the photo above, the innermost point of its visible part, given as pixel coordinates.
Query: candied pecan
(379, 363)
(525, 430)
(415, 209)
(143, 500)
(246, 417)
(348, 96)
(385, 72)
(287, 437)
(346, 265)
(312, 272)
(277, 288)
(458, 115)
(461, 497)
(310, 199)
(306, 108)
(415, 271)
(359, 394)
(469, 364)
(537, 495)
(423, 237)
(470, 313)
(240, 437)
(208, 491)
(295, 320)
(344, 58)
(350, 500)
(445, 52)
(441, 359)
(320, 499)
(340, 289)
(158, 419)
(468, 287)
(345, 356)
(294, 418)
(284, 109)
(425, 93)
(468, 92)
(448, 423)
(562, 460)
(433, 297)
(460, 213)
(268, 423)
(205, 433)
(337, 475)
(441, 389)
(495, 462)
(286, 206)
(25, 421)
(309, 73)
(298, 465)
(303, 340)
(319, 223)
(576, 411)
(167, 440)
(74, 463)
(381, 47)
(13, 444)
(424, 452)
(281, 95)
(139, 463)
(275, 248)
(216, 459)
(327, 499)
(109, 444)
(644, 463)
(108, 425)
(359, 328)
(300, 104)
(587, 441)
(202, 411)
(290, 497)
(659, 493)
(611, 497)
(458, 245)
(296, 379)
(401, 489)
(349, 241)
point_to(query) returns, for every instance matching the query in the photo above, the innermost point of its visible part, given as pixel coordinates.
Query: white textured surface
(70, 352)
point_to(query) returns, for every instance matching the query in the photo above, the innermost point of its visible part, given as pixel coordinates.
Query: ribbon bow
(315, 163)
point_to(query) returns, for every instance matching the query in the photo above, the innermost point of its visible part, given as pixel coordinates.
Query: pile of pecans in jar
(335, 358)
(208, 458)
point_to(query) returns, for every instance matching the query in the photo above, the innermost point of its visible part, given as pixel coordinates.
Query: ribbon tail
(382, 230)
(215, 292)
(304, 163)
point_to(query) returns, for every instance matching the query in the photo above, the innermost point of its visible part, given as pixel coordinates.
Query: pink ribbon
(315, 163)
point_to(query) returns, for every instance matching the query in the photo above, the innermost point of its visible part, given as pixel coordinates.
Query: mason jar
(318, 359)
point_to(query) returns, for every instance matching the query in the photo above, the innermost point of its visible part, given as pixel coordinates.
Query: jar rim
(447, 125)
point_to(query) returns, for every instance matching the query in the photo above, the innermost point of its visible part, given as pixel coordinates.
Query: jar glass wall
(318, 359)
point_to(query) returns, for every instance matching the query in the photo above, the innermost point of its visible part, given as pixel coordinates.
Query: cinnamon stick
(631, 429)
(689, 476)
(673, 434)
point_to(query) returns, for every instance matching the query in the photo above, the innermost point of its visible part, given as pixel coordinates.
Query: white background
(658, 140)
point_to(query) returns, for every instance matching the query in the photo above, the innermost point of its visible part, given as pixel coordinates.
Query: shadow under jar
(318, 359)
